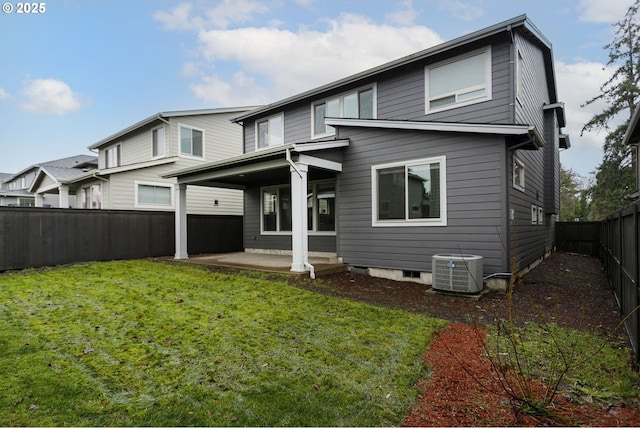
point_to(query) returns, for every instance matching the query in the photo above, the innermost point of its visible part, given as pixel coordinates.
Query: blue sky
(83, 70)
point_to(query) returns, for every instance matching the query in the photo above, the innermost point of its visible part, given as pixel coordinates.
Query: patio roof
(233, 172)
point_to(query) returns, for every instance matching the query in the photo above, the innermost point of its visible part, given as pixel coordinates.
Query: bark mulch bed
(570, 289)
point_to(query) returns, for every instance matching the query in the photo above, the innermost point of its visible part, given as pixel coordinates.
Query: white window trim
(373, 87)
(137, 183)
(442, 221)
(516, 182)
(204, 145)
(164, 134)
(311, 232)
(266, 119)
(519, 75)
(272, 232)
(488, 82)
(118, 148)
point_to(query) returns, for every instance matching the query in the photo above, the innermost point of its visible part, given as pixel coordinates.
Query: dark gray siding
(475, 187)
(534, 95)
(402, 96)
(528, 241)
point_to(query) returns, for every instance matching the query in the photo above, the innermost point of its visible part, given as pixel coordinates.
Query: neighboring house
(453, 149)
(132, 160)
(48, 184)
(632, 136)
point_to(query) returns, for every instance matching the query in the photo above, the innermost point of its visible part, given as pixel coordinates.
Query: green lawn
(145, 343)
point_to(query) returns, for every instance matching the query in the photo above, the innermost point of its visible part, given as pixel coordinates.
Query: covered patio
(293, 164)
(264, 262)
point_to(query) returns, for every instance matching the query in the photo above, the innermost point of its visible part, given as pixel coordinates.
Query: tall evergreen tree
(573, 196)
(615, 175)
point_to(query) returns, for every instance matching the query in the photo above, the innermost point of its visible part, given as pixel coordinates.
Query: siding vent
(411, 274)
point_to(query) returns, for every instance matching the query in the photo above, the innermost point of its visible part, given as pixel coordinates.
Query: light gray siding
(475, 185)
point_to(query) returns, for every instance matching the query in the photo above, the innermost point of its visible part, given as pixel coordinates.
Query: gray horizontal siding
(475, 184)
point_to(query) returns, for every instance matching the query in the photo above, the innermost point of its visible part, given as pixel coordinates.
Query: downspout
(312, 271)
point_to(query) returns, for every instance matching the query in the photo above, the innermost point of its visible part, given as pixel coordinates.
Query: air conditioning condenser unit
(461, 273)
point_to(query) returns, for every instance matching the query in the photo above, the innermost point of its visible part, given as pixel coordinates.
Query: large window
(191, 141)
(410, 193)
(113, 156)
(464, 80)
(518, 174)
(91, 197)
(153, 195)
(321, 208)
(269, 132)
(157, 142)
(353, 105)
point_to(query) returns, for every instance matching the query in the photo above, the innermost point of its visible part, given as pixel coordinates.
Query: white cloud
(405, 16)
(50, 96)
(227, 12)
(465, 10)
(3, 94)
(609, 11)
(289, 62)
(578, 83)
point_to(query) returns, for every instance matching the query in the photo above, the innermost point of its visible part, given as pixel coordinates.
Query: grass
(144, 343)
(591, 367)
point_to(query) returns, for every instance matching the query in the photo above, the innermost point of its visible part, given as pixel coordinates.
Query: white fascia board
(633, 128)
(320, 145)
(233, 171)
(320, 163)
(434, 126)
(135, 166)
(42, 171)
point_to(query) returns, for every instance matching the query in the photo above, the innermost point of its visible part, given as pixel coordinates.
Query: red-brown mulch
(464, 390)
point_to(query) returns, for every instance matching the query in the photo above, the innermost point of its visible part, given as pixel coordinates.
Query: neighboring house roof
(165, 115)
(519, 22)
(632, 136)
(66, 170)
(5, 176)
(78, 161)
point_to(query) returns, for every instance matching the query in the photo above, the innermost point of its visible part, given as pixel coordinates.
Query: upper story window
(411, 193)
(519, 75)
(358, 104)
(518, 174)
(270, 132)
(461, 81)
(113, 156)
(191, 141)
(157, 142)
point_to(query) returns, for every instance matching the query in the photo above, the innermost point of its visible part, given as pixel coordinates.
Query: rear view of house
(454, 149)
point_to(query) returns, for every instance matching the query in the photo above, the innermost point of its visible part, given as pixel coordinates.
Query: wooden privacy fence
(33, 237)
(620, 234)
(579, 237)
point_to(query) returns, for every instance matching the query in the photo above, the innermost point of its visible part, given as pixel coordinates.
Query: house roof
(632, 136)
(66, 170)
(521, 22)
(79, 161)
(159, 117)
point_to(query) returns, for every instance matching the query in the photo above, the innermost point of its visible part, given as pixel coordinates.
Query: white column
(63, 196)
(180, 192)
(299, 232)
(39, 200)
